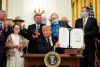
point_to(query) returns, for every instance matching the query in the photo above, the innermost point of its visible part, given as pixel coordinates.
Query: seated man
(47, 43)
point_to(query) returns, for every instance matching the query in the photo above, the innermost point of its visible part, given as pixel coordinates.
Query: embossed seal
(52, 59)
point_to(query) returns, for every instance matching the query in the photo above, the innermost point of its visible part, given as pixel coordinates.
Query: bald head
(46, 31)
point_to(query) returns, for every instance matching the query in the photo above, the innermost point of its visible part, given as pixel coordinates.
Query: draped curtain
(78, 4)
(4, 5)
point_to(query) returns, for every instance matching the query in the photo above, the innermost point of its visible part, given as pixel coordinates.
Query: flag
(91, 11)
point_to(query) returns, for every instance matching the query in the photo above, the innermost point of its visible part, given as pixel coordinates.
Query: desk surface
(42, 55)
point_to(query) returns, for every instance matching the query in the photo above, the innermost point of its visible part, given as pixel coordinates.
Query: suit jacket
(44, 47)
(90, 30)
(7, 31)
(32, 41)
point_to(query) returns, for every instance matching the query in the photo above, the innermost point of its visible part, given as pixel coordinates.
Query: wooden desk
(38, 59)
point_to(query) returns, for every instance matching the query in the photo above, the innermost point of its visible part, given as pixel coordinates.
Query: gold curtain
(4, 5)
(78, 4)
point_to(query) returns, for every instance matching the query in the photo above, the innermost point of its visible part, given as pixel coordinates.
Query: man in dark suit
(47, 43)
(90, 28)
(34, 32)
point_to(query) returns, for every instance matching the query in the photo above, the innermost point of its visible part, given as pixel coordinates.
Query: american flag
(91, 11)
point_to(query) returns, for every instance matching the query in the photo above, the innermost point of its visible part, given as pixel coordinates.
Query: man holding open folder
(90, 28)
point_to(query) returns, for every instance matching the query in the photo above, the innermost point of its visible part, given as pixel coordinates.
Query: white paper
(76, 38)
(64, 37)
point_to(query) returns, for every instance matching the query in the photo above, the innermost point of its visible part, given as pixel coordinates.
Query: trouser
(89, 58)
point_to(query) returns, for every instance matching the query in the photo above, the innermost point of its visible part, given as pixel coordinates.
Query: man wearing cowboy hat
(18, 20)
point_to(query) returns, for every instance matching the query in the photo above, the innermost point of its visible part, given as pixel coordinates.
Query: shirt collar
(86, 18)
(49, 38)
(37, 25)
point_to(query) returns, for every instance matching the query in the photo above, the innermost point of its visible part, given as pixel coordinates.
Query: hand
(57, 45)
(35, 36)
(83, 47)
(98, 41)
(20, 47)
(84, 33)
(36, 32)
(17, 46)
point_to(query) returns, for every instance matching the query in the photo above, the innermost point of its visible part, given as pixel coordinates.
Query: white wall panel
(25, 8)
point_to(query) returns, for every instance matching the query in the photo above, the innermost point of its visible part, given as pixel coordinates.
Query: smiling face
(16, 29)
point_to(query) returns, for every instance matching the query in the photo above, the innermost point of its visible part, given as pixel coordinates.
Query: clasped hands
(20, 47)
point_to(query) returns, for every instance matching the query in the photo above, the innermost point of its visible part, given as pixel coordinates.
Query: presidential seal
(52, 59)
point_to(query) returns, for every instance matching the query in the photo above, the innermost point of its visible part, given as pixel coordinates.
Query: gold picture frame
(4, 5)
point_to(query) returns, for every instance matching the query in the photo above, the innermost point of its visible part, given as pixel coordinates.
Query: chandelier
(39, 11)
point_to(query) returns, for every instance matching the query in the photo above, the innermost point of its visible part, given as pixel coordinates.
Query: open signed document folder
(71, 38)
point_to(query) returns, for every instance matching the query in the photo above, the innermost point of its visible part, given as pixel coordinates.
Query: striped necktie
(49, 42)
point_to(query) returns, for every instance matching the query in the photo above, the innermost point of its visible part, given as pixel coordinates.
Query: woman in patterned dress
(15, 44)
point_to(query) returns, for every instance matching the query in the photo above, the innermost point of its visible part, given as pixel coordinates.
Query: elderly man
(48, 42)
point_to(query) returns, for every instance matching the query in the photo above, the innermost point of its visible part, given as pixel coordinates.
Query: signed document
(76, 38)
(64, 37)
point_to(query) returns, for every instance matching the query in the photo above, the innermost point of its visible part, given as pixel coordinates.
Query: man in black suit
(47, 42)
(90, 28)
(34, 32)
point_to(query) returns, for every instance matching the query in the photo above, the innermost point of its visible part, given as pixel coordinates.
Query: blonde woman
(15, 44)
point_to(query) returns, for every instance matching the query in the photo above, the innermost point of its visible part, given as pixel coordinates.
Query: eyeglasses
(16, 28)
